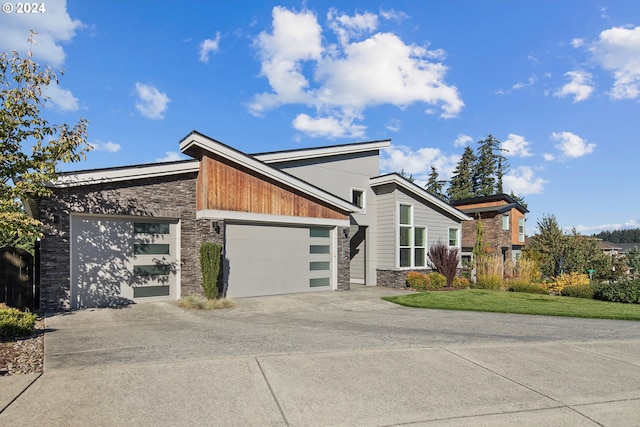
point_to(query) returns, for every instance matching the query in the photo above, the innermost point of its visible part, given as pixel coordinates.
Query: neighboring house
(290, 221)
(503, 220)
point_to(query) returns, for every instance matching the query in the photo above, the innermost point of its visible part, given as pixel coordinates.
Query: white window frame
(412, 226)
(457, 245)
(521, 229)
(363, 208)
(505, 222)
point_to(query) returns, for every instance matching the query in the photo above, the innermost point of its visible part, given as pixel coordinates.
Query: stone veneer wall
(163, 197)
(344, 260)
(396, 278)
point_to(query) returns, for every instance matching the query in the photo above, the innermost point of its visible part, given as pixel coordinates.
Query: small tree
(30, 147)
(210, 257)
(444, 260)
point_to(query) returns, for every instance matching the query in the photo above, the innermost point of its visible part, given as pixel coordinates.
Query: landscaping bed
(23, 355)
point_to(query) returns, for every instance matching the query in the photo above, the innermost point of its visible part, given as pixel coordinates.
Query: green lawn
(519, 303)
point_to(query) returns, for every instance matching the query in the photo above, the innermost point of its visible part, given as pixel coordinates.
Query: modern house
(503, 221)
(302, 220)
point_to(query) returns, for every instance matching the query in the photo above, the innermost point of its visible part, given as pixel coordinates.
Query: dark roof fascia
(493, 198)
(497, 209)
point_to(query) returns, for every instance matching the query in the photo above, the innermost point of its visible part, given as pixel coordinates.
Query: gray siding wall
(424, 214)
(166, 197)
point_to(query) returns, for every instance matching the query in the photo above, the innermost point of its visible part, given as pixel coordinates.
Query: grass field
(519, 303)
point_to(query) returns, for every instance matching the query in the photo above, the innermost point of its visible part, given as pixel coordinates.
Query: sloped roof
(394, 178)
(317, 152)
(494, 198)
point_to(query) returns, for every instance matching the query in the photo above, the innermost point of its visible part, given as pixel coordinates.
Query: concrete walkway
(328, 359)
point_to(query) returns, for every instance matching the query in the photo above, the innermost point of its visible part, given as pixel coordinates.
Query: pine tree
(461, 184)
(489, 168)
(434, 185)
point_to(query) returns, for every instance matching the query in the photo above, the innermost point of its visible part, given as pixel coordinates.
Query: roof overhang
(412, 188)
(198, 145)
(100, 176)
(317, 152)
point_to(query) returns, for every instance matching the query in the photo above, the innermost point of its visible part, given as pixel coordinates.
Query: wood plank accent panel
(223, 186)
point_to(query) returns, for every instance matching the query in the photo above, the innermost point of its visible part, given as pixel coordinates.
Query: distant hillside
(620, 236)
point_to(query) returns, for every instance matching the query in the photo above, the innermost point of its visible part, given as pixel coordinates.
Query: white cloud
(393, 125)
(594, 229)
(462, 140)
(580, 86)
(329, 127)
(418, 163)
(62, 99)
(53, 27)
(107, 147)
(342, 81)
(516, 146)
(618, 50)
(151, 103)
(548, 157)
(530, 82)
(577, 42)
(393, 15)
(522, 181)
(571, 145)
(170, 156)
(208, 46)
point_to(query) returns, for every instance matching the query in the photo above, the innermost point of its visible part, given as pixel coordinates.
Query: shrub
(210, 265)
(437, 280)
(418, 281)
(195, 302)
(461, 282)
(16, 323)
(627, 291)
(568, 279)
(577, 291)
(526, 287)
(445, 260)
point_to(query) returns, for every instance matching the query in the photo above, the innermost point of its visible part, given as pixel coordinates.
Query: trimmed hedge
(627, 291)
(578, 291)
(528, 288)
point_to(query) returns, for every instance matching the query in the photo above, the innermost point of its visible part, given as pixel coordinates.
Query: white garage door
(271, 260)
(116, 260)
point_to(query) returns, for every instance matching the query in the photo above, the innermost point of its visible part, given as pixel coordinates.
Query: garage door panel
(270, 260)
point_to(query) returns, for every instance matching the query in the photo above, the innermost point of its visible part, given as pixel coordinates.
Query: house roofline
(197, 145)
(492, 198)
(394, 178)
(317, 152)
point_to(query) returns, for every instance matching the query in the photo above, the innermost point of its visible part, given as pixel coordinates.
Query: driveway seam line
(273, 395)
(20, 394)
(564, 405)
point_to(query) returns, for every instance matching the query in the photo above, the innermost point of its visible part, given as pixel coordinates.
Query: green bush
(437, 280)
(418, 281)
(210, 257)
(526, 287)
(627, 291)
(16, 323)
(461, 282)
(577, 291)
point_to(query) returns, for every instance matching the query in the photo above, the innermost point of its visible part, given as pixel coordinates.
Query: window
(521, 229)
(319, 232)
(357, 197)
(152, 270)
(151, 249)
(151, 228)
(505, 222)
(454, 237)
(412, 248)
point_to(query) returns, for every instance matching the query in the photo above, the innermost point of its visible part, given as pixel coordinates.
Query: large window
(412, 248)
(521, 229)
(505, 222)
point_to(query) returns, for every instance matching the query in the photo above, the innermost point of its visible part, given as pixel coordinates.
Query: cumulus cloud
(594, 229)
(330, 127)
(418, 163)
(548, 157)
(340, 81)
(170, 156)
(62, 99)
(523, 182)
(151, 103)
(208, 46)
(516, 146)
(462, 140)
(580, 86)
(54, 27)
(107, 147)
(618, 51)
(571, 145)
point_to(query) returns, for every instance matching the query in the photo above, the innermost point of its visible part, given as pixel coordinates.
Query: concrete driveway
(321, 359)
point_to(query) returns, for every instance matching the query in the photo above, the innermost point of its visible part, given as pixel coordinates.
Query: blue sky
(558, 82)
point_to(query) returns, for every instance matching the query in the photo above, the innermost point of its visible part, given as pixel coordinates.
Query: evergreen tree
(461, 184)
(520, 200)
(434, 185)
(405, 176)
(489, 168)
